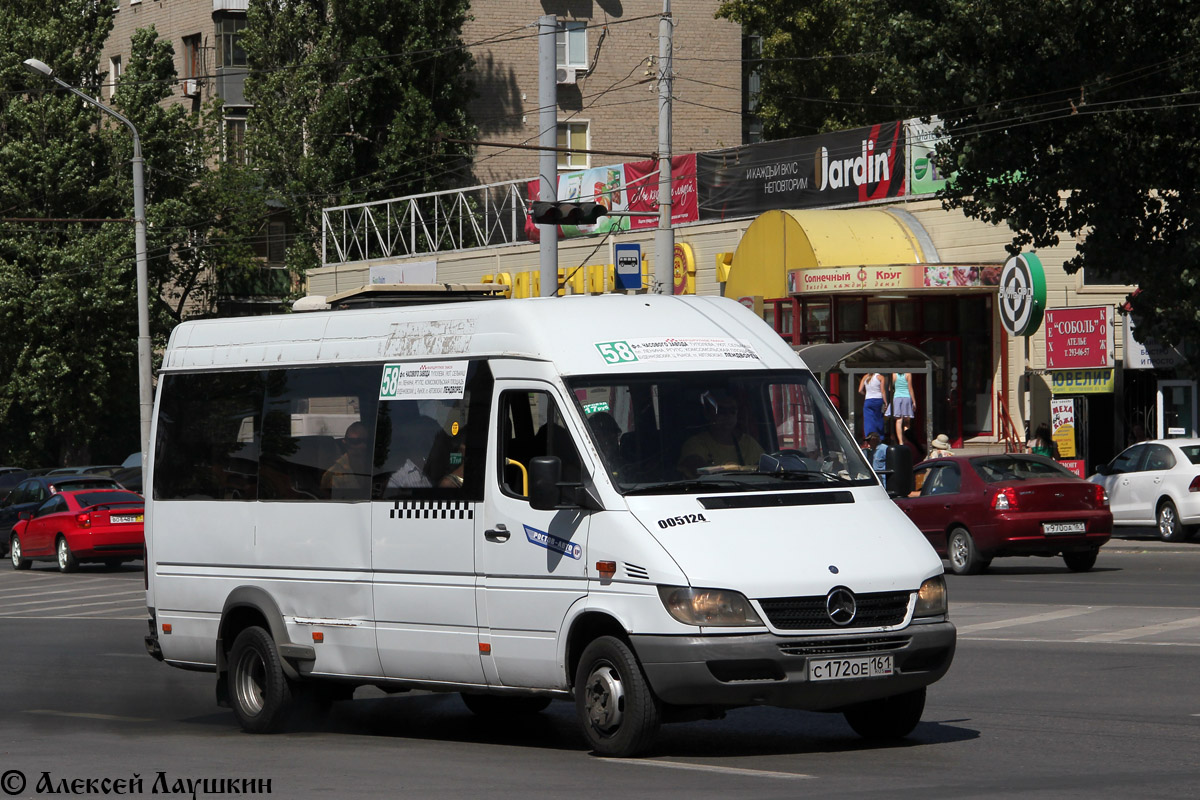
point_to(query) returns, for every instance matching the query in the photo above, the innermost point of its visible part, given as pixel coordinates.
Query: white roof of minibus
(563, 330)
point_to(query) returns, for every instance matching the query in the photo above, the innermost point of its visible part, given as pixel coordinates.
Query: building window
(276, 244)
(114, 74)
(229, 46)
(235, 136)
(571, 44)
(574, 136)
(192, 67)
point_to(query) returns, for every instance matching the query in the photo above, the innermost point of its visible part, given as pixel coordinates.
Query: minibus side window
(209, 426)
(433, 449)
(317, 432)
(531, 425)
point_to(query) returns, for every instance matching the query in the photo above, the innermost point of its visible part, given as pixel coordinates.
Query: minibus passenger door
(531, 563)
(428, 486)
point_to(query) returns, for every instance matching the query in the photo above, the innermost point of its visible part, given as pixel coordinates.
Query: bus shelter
(855, 359)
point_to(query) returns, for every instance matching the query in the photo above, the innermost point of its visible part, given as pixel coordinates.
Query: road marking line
(1144, 630)
(1032, 619)
(759, 773)
(84, 715)
(116, 604)
(84, 595)
(1023, 640)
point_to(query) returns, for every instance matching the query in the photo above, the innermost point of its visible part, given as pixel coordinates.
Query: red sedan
(83, 525)
(975, 508)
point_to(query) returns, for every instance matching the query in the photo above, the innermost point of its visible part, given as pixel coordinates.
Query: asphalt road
(1064, 686)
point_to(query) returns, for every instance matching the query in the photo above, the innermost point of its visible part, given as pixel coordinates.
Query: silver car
(1155, 483)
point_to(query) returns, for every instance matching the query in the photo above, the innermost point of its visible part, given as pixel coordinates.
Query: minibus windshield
(678, 432)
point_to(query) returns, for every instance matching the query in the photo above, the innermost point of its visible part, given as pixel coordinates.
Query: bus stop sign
(629, 265)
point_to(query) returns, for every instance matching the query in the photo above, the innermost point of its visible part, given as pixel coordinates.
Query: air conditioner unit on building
(564, 75)
(191, 87)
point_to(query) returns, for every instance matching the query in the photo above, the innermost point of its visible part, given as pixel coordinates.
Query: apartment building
(607, 93)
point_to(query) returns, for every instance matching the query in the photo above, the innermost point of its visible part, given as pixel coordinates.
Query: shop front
(854, 275)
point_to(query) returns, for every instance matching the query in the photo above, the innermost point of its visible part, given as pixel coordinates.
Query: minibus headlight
(715, 607)
(931, 598)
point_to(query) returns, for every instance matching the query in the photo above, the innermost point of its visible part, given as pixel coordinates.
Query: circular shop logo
(1022, 294)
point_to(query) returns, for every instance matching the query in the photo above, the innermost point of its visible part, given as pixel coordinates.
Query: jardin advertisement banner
(830, 169)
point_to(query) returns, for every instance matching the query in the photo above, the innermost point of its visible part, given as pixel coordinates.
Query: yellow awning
(780, 241)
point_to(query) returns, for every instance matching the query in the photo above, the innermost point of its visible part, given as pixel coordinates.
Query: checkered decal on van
(432, 509)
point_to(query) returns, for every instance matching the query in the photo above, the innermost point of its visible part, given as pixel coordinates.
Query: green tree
(352, 102)
(68, 297)
(1069, 117)
(822, 65)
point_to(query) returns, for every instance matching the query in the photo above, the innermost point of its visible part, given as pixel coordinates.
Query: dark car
(130, 478)
(80, 525)
(33, 491)
(10, 477)
(976, 508)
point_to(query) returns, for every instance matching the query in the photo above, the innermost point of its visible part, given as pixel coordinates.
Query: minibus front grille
(836, 647)
(873, 610)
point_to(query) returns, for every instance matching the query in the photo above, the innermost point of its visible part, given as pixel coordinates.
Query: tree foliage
(1065, 117)
(352, 100)
(68, 294)
(821, 63)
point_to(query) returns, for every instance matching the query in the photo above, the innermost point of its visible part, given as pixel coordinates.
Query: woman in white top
(873, 387)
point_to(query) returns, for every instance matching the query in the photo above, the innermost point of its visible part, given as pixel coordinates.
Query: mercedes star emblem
(840, 606)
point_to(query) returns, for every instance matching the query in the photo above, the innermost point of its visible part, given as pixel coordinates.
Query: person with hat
(941, 447)
(722, 444)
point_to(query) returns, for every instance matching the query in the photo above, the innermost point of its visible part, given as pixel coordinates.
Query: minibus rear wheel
(617, 708)
(259, 692)
(889, 717)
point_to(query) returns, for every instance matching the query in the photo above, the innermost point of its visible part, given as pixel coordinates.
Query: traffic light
(567, 213)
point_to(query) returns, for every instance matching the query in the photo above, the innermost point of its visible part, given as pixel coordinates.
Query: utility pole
(664, 237)
(548, 160)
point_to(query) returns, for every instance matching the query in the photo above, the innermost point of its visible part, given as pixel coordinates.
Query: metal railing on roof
(434, 222)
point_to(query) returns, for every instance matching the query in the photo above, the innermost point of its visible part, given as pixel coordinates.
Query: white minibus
(645, 504)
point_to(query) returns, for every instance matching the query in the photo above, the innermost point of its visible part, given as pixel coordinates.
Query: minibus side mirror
(544, 474)
(547, 492)
(899, 479)
(1103, 469)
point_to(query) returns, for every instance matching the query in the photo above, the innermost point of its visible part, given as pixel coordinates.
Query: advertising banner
(623, 187)
(1062, 426)
(1149, 354)
(895, 276)
(1083, 381)
(830, 169)
(1079, 337)
(923, 137)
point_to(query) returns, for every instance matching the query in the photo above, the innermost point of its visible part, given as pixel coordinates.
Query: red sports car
(82, 525)
(975, 508)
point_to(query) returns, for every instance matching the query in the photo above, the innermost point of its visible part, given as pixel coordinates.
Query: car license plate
(117, 519)
(1050, 528)
(837, 669)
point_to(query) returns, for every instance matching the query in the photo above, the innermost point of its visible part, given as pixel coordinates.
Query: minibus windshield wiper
(805, 474)
(685, 486)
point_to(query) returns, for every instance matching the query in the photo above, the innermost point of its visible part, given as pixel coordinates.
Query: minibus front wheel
(259, 692)
(617, 708)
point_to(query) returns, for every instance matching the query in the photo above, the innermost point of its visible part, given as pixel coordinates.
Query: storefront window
(850, 315)
(939, 316)
(879, 316)
(816, 322)
(977, 394)
(905, 315)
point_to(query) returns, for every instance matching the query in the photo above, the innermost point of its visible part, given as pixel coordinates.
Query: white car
(1155, 483)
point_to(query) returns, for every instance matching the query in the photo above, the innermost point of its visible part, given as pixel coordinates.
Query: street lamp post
(145, 397)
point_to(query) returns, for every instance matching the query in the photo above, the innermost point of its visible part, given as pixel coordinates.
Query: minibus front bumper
(768, 669)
